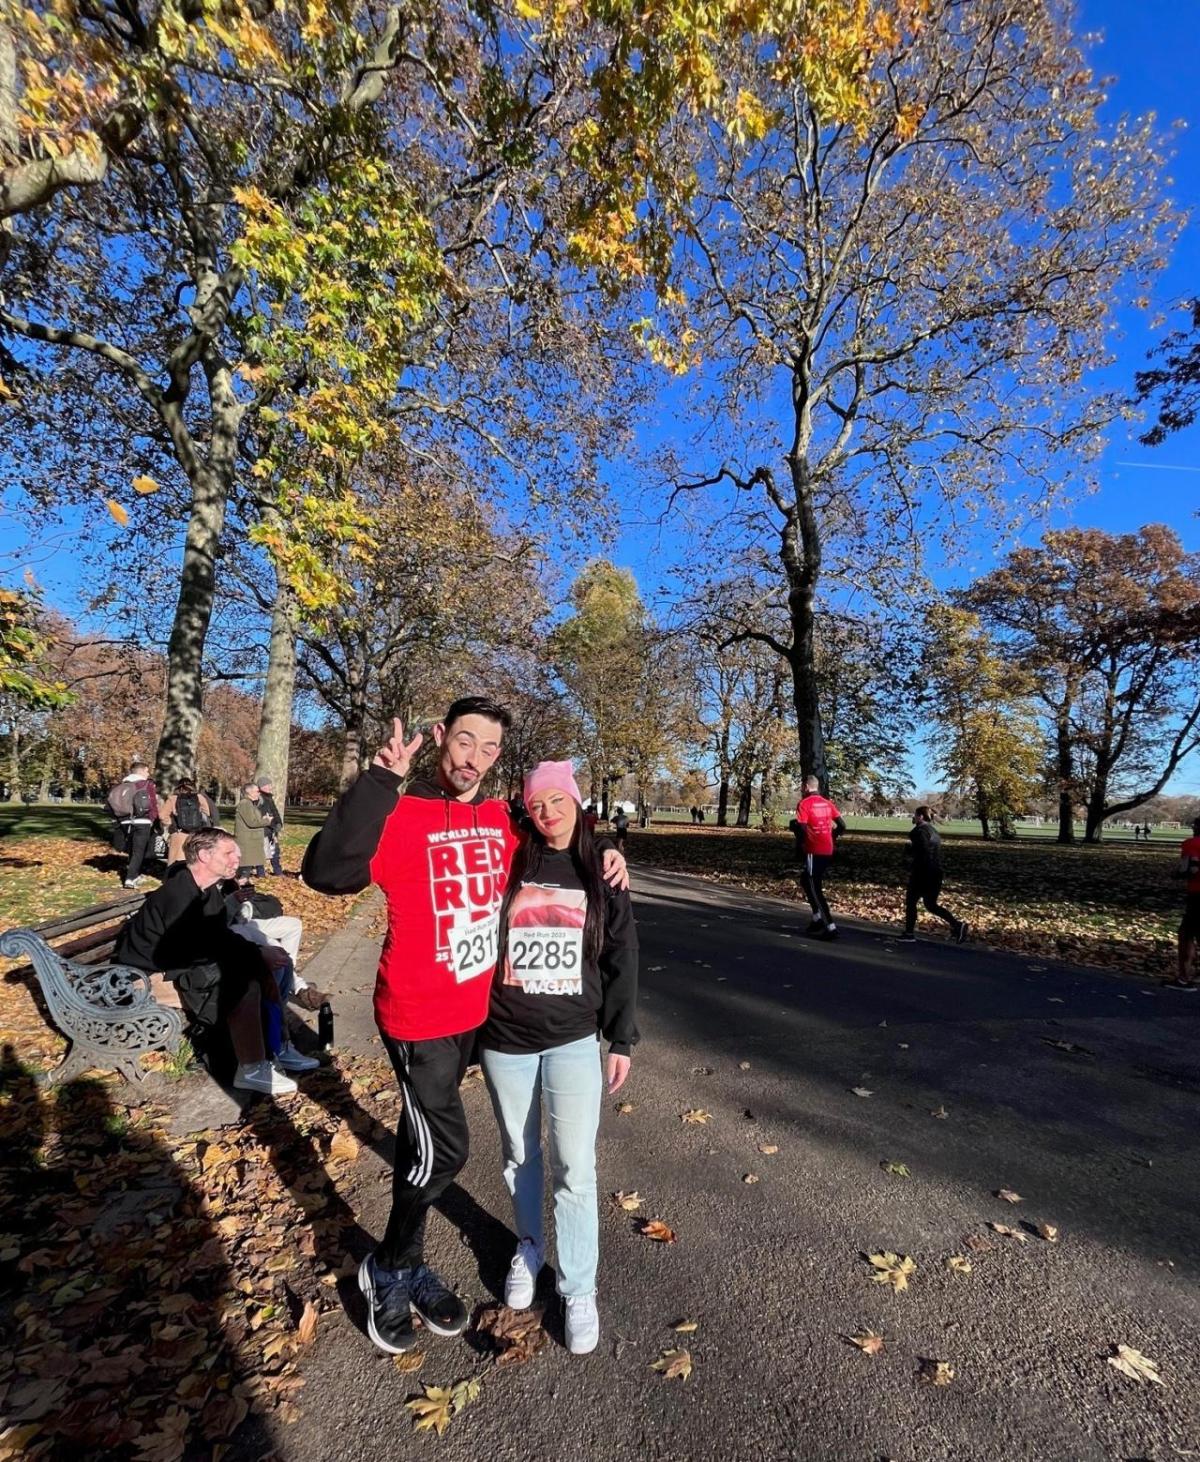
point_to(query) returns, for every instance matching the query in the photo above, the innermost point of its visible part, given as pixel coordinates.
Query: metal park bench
(108, 1013)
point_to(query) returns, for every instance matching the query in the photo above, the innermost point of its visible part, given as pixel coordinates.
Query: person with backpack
(274, 830)
(185, 811)
(134, 804)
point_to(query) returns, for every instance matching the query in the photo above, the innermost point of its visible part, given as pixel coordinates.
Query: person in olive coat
(249, 822)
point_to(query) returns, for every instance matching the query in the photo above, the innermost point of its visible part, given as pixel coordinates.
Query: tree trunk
(723, 803)
(745, 798)
(14, 764)
(1066, 789)
(275, 729)
(800, 554)
(1093, 829)
(354, 743)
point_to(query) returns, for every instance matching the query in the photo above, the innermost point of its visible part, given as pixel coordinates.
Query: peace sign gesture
(395, 755)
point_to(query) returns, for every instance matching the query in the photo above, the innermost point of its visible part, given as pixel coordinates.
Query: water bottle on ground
(325, 1026)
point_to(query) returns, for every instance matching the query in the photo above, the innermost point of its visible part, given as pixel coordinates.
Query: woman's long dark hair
(528, 860)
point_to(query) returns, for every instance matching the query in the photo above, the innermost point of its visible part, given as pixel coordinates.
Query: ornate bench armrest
(113, 986)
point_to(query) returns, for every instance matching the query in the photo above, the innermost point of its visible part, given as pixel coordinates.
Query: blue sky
(1152, 50)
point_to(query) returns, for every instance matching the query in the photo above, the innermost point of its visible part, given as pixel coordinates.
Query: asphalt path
(1077, 1090)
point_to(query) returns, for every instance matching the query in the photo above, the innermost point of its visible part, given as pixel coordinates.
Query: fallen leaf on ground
(432, 1412)
(1048, 1231)
(958, 1264)
(743, 1066)
(977, 1244)
(517, 1334)
(630, 1202)
(409, 1361)
(1008, 1195)
(769, 1148)
(654, 1228)
(1135, 1365)
(695, 1115)
(1070, 1045)
(900, 1169)
(893, 1269)
(345, 1146)
(749, 1177)
(675, 1365)
(306, 1328)
(1009, 1233)
(867, 1341)
(625, 1108)
(861, 1091)
(940, 1112)
(935, 1372)
(702, 1071)
(685, 1327)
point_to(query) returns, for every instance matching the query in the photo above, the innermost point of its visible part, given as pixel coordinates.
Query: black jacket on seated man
(184, 931)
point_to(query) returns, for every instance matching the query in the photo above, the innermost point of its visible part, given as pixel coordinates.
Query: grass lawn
(1116, 905)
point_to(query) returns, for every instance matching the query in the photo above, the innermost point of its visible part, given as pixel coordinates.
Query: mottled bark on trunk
(745, 801)
(723, 803)
(275, 729)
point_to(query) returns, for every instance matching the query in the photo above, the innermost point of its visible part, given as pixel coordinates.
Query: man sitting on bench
(183, 930)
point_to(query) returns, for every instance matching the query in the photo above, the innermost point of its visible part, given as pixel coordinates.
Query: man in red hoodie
(441, 854)
(821, 825)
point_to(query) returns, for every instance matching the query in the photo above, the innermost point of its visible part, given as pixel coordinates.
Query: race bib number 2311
(473, 947)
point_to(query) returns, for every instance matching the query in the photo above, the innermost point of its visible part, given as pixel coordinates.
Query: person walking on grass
(440, 851)
(1189, 928)
(925, 878)
(567, 975)
(820, 825)
(250, 825)
(134, 804)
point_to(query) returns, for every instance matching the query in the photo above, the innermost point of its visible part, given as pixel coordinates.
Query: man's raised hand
(396, 755)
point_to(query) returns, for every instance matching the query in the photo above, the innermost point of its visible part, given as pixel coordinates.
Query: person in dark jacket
(440, 851)
(925, 878)
(567, 974)
(273, 825)
(182, 929)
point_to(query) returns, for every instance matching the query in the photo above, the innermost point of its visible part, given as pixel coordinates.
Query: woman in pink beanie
(567, 975)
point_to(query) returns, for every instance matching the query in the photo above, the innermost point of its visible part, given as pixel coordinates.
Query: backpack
(189, 815)
(265, 905)
(141, 799)
(120, 800)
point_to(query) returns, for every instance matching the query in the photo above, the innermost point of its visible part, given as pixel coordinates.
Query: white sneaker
(583, 1324)
(262, 1076)
(522, 1275)
(289, 1059)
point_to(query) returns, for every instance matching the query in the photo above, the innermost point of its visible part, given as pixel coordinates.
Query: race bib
(473, 947)
(547, 961)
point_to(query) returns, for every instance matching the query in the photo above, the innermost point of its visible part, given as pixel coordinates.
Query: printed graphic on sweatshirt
(466, 884)
(545, 940)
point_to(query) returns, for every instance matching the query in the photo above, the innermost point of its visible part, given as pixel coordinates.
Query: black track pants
(925, 889)
(431, 1139)
(815, 866)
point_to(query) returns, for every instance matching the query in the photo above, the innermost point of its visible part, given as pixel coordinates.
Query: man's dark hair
(201, 841)
(926, 812)
(477, 705)
(139, 766)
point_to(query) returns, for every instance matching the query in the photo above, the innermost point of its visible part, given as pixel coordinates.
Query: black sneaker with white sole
(906, 938)
(436, 1303)
(961, 932)
(389, 1314)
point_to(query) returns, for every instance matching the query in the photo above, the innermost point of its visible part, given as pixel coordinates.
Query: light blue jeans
(571, 1080)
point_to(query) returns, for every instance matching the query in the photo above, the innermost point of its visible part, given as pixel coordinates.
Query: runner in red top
(820, 825)
(1189, 929)
(441, 852)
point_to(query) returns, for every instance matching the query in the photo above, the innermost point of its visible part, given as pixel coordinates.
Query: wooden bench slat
(82, 918)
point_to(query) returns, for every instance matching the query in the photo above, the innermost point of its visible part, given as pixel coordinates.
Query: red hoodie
(442, 865)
